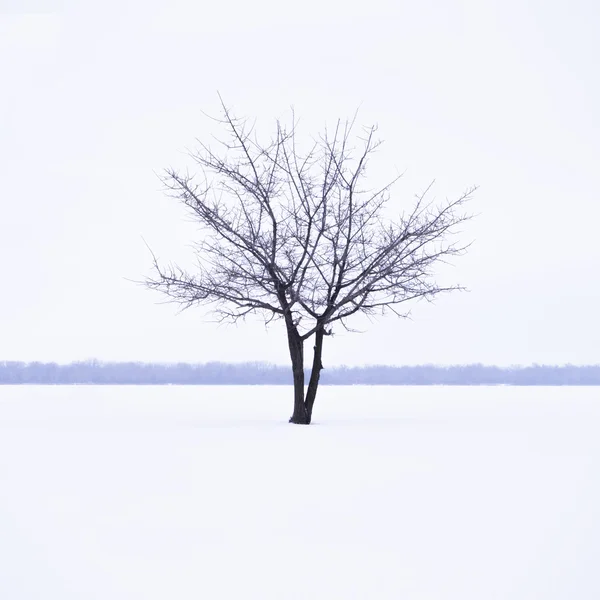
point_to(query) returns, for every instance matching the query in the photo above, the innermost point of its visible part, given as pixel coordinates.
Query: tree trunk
(296, 346)
(315, 374)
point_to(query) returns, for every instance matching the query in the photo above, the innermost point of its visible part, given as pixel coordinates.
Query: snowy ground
(177, 493)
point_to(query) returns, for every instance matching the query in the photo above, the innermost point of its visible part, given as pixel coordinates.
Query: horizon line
(269, 364)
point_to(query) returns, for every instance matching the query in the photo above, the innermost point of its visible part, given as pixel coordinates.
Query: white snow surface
(180, 493)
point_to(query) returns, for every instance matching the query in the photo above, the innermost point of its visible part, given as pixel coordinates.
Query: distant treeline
(215, 373)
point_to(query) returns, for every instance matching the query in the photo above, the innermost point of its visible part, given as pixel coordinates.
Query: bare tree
(293, 234)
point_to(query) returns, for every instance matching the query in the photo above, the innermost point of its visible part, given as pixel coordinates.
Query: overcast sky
(98, 97)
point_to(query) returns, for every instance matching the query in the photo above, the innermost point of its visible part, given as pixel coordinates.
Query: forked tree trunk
(315, 374)
(303, 407)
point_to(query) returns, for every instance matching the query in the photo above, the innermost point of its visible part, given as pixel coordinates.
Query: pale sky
(98, 97)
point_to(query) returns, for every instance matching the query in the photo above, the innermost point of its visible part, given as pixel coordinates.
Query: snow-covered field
(181, 493)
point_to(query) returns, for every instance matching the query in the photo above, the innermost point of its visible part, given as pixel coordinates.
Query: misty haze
(299, 302)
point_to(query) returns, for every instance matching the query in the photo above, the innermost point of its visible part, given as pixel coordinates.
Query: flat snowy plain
(177, 493)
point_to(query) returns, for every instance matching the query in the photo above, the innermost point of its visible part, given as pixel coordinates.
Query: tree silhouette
(294, 234)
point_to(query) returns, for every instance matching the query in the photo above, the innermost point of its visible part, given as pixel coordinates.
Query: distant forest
(215, 373)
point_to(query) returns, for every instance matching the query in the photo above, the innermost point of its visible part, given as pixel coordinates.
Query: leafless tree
(293, 234)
